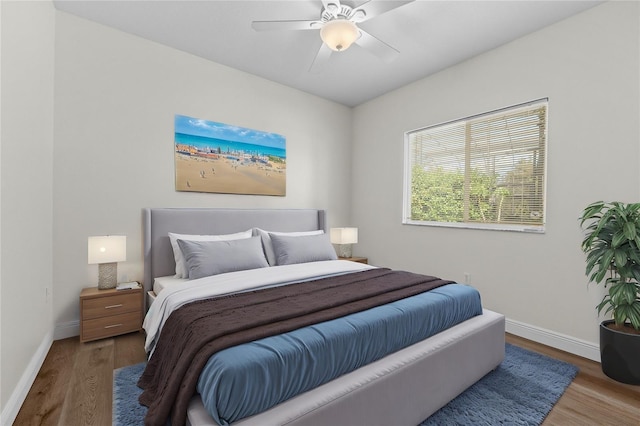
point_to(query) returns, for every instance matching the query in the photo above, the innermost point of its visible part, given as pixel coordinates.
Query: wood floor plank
(89, 397)
(129, 350)
(43, 404)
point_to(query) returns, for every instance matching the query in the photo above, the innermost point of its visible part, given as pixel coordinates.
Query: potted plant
(612, 245)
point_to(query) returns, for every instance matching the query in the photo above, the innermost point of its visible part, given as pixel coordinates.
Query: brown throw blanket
(196, 331)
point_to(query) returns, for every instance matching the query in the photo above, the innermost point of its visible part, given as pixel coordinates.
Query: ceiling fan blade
(285, 25)
(331, 9)
(376, 46)
(375, 8)
(321, 59)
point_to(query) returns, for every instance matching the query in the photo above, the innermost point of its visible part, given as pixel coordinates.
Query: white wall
(588, 67)
(116, 96)
(26, 195)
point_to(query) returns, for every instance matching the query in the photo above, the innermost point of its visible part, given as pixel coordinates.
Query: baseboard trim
(556, 340)
(66, 329)
(11, 409)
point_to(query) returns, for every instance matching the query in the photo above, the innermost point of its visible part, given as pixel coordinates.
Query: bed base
(401, 389)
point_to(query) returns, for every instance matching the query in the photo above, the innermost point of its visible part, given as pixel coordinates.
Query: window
(485, 171)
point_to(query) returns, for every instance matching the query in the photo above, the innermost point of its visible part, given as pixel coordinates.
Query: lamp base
(107, 275)
(344, 250)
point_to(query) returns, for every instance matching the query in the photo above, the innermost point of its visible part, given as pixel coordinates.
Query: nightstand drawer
(111, 305)
(111, 326)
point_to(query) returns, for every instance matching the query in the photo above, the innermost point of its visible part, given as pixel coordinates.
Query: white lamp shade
(107, 249)
(344, 235)
(339, 34)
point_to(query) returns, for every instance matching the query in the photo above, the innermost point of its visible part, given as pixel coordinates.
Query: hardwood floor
(74, 386)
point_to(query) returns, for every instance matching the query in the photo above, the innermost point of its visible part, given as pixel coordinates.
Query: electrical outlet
(467, 278)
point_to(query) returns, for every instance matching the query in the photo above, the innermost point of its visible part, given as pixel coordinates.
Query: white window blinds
(484, 171)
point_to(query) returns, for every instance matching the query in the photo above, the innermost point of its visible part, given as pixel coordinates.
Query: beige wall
(116, 96)
(588, 67)
(26, 194)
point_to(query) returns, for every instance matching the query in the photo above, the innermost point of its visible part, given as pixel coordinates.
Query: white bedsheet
(161, 283)
(175, 296)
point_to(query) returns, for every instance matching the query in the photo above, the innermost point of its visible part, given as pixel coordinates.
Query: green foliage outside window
(438, 196)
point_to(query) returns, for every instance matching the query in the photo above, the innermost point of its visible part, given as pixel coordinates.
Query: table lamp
(343, 238)
(106, 251)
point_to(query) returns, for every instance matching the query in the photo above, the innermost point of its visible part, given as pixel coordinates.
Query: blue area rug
(521, 391)
(126, 408)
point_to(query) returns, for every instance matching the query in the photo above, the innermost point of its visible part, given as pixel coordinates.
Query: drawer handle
(112, 326)
(113, 306)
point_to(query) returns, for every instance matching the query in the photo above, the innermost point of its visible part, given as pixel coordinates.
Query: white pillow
(181, 266)
(268, 246)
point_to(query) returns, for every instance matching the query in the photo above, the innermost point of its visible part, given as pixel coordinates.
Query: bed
(402, 388)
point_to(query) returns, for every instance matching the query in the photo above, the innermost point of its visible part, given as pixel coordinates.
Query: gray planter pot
(620, 354)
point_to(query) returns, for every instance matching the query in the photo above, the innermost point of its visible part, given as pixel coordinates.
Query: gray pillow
(268, 247)
(206, 258)
(311, 248)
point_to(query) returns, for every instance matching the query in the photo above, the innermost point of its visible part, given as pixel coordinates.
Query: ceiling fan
(338, 28)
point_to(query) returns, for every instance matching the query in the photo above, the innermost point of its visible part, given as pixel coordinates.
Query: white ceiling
(430, 35)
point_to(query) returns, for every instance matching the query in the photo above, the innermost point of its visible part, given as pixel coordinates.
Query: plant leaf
(590, 211)
(620, 258)
(629, 230)
(618, 239)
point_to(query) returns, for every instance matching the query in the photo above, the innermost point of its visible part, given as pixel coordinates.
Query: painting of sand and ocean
(221, 158)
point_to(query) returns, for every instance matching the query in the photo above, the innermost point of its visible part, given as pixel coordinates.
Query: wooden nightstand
(108, 313)
(355, 259)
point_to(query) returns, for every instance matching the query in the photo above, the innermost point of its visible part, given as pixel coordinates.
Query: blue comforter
(247, 379)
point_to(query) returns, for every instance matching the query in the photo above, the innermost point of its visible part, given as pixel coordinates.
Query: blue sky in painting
(211, 129)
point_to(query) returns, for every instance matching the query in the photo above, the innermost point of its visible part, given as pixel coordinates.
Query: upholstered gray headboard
(157, 223)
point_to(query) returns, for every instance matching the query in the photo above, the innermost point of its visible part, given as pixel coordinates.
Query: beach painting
(221, 158)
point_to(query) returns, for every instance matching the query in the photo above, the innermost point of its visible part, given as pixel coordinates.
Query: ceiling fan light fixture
(339, 34)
